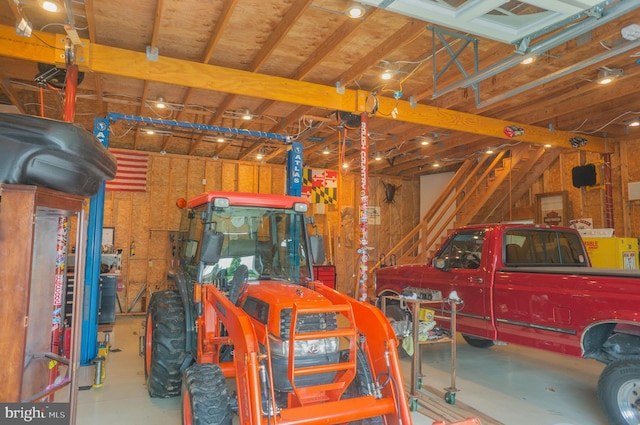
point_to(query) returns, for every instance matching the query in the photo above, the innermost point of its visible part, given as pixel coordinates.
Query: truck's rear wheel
(619, 392)
(205, 398)
(165, 344)
(477, 342)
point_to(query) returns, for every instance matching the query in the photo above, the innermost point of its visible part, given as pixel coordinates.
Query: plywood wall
(591, 202)
(148, 220)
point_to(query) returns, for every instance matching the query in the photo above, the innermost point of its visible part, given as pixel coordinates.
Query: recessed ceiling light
(354, 11)
(387, 74)
(49, 6)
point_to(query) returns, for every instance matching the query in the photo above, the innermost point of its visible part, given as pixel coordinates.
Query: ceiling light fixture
(259, 155)
(220, 140)
(246, 115)
(634, 123)
(49, 6)
(631, 32)
(150, 131)
(326, 150)
(489, 151)
(607, 75)
(528, 60)
(354, 10)
(387, 74)
(160, 103)
(378, 156)
(345, 165)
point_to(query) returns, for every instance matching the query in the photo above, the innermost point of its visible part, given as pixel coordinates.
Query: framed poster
(552, 208)
(108, 238)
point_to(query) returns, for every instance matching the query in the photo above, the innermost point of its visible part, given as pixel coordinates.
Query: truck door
(464, 258)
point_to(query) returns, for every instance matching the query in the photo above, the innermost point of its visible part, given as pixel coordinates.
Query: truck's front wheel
(619, 392)
(165, 344)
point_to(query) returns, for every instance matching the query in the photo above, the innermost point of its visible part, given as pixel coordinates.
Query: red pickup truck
(534, 286)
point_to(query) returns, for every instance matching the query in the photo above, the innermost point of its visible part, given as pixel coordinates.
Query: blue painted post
(294, 170)
(89, 338)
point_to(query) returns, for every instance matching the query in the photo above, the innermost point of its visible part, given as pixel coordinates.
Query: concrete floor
(513, 385)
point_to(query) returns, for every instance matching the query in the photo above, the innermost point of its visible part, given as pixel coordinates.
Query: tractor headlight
(303, 347)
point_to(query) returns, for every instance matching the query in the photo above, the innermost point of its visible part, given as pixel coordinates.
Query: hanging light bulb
(378, 156)
(246, 115)
(326, 150)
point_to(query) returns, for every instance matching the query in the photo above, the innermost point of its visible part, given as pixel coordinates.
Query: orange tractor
(250, 332)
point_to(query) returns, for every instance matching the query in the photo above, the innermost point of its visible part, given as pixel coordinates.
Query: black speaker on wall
(584, 175)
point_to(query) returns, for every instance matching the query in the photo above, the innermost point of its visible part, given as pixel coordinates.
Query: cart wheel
(419, 382)
(450, 397)
(413, 404)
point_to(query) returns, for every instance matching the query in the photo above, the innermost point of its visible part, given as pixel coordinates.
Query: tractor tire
(363, 384)
(618, 392)
(477, 342)
(205, 397)
(165, 344)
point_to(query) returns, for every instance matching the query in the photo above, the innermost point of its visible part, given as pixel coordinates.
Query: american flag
(132, 171)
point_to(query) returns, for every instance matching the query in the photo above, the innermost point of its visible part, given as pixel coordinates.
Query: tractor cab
(228, 237)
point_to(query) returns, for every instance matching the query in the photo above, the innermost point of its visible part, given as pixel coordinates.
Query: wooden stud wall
(149, 219)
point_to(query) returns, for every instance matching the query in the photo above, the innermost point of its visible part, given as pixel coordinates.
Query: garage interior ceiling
(456, 77)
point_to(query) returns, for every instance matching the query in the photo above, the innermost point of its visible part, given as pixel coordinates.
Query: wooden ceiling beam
(126, 63)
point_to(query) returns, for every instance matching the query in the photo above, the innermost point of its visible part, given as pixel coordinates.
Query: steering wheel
(470, 260)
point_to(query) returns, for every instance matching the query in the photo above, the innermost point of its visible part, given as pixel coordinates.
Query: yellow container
(617, 253)
(426, 315)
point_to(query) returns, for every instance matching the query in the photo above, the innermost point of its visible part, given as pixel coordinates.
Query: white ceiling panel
(505, 21)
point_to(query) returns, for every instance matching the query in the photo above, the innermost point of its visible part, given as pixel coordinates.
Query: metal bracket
(152, 54)
(439, 34)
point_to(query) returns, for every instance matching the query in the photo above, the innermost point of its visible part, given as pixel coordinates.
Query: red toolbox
(326, 275)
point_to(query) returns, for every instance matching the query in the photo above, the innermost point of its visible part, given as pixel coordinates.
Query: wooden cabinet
(34, 239)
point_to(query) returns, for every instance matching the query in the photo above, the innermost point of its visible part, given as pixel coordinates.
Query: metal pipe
(570, 33)
(561, 73)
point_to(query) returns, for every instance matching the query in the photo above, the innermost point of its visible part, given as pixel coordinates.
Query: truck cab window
(464, 250)
(542, 247)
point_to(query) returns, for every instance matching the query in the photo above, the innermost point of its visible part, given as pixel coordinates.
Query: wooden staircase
(483, 190)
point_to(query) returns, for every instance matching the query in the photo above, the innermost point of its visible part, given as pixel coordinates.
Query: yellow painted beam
(114, 61)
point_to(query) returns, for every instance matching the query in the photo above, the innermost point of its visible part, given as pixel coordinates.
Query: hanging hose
(391, 379)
